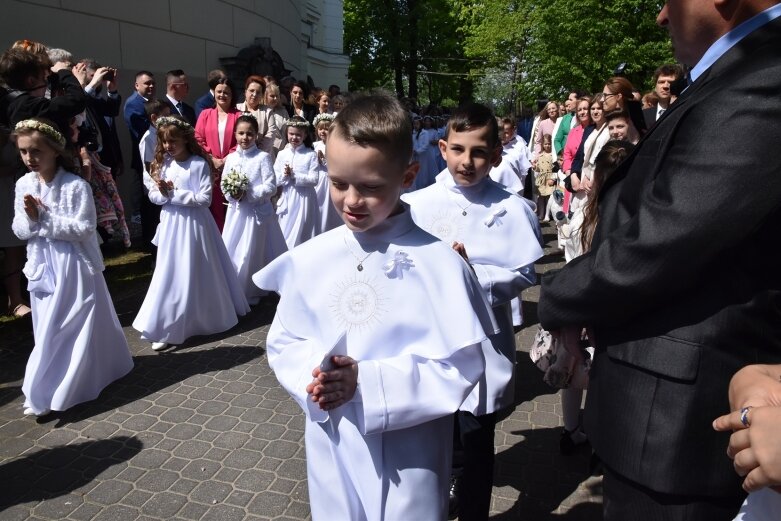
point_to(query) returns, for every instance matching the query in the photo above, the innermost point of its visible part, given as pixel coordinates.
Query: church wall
(159, 35)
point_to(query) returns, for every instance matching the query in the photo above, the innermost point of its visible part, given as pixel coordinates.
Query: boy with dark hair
(381, 348)
(498, 234)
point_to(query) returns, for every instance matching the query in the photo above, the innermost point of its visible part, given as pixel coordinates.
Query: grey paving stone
(227, 475)
(116, 512)
(109, 492)
(239, 498)
(200, 469)
(184, 486)
(224, 513)
(255, 480)
(136, 498)
(57, 507)
(191, 449)
(183, 431)
(211, 492)
(157, 480)
(85, 512)
(164, 504)
(231, 440)
(270, 504)
(206, 432)
(193, 511)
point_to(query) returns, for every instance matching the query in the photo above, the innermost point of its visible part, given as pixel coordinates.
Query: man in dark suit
(135, 115)
(681, 287)
(138, 123)
(101, 111)
(177, 87)
(207, 100)
(664, 77)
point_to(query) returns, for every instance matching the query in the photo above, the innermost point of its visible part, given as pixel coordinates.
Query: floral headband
(297, 123)
(43, 128)
(323, 118)
(177, 122)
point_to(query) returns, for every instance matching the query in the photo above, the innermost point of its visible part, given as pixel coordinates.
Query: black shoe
(455, 487)
(571, 440)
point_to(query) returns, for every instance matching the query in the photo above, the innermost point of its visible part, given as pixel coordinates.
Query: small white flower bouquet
(234, 183)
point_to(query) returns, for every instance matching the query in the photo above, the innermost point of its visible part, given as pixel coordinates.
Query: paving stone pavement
(205, 432)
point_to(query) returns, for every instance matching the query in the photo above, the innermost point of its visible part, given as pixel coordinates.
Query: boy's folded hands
(331, 389)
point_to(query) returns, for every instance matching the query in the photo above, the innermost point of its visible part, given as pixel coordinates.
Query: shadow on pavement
(528, 380)
(545, 478)
(57, 471)
(155, 372)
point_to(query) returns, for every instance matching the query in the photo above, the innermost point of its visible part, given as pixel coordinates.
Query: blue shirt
(726, 42)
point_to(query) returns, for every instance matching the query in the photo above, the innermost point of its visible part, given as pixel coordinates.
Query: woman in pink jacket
(214, 132)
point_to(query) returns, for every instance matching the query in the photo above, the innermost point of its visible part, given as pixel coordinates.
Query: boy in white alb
(382, 347)
(497, 232)
(155, 108)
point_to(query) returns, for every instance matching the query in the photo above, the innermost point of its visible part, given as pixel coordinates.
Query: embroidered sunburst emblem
(445, 226)
(358, 302)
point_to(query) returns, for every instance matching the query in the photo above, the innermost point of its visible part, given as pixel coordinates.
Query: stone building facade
(193, 35)
(303, 37)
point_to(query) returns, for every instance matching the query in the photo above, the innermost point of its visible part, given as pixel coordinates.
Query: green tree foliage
(558, 45)
(408, 46)
(432, 49)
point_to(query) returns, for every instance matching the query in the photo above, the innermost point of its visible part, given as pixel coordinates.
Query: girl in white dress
(329, 217)
(298, 171)
(251, 234)
(194, 288)
(79, 344)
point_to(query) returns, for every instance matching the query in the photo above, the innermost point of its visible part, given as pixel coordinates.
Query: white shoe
(159, 346)
(29, 412)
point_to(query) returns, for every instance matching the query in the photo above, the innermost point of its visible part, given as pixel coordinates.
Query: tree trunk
(412, 58)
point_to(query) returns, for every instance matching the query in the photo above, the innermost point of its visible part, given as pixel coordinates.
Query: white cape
(502, 240)
(413, 318)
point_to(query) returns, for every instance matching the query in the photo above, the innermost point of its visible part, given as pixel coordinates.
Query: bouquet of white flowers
(234, 183)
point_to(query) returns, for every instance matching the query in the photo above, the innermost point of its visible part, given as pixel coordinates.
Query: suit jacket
(649, 115)
(204, 102)
(98, 109)
(188, 113)
(682, 286)
(310, 112)
(59, 109)
(137, 123)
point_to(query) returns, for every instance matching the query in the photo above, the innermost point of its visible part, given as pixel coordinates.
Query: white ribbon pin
(495, 217)
(395, 267)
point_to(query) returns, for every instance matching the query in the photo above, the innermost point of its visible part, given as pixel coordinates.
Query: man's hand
(80, 71)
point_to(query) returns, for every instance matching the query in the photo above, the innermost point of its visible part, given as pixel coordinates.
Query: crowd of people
(430, 228)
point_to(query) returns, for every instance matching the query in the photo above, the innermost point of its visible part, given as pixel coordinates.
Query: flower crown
(177, 122)
(297, 123)
(43, 128)
(323, 118)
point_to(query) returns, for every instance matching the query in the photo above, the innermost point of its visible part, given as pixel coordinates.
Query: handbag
(563, 367)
